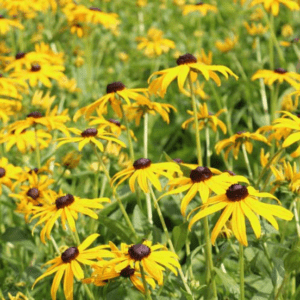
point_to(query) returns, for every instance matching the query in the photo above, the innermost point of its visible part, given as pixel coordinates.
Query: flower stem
(198, 141)
(274, 100)
(271, 49)
(127, 219)
(242, 280)
(131, 152)
(295, 210)
(37, 148)
(163, 223)
(208, 153)
(55, 245)
(262, 84)
(147, 294)
(247, 161)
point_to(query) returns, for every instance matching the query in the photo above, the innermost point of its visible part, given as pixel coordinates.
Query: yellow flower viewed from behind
(226, 45)
(187, 64)
(240, 201)
(256, 29)
(273, 5)
(201, 7)
(154, 44)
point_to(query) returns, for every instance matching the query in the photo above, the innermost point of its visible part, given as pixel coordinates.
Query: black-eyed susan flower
(234, 143)
(18, 296)
(138, 109)
(25, 140)
(153, 258)
(201, 7)
(69, 263)
(40, 73)
(273, 5)
(43, 101)
(103, 273)
(154, 44)
(287, 30)
(67, 208)
(240, 201)
(279, 75)
(114, 93)
(203, 181)
(97, 16)
(8, 108)
(256, 29)
(53, 57)
(90, 135)
(7, 24)
(143, 170)
(8, 172)
(186, 64)
(290, 122)
(205, 117)
(228, 44)
(12, 87)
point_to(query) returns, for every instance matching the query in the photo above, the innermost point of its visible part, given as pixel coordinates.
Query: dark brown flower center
(64, 201)
(139, 251)
(35, 114)
(35, 170)
(114, 122)
(200, 174)
(186, 59)
(142, 163)
(241, 132)
(95, 9)
(2, 172)
(115, 87)
(33, 193)
(89, 132)
(280, 71)
(199, 3)
(35, 68)
(230, 172)
(178, 160)
(1, 17)
(20, 55)
(236, 192)
(127, 272)
(70, 254)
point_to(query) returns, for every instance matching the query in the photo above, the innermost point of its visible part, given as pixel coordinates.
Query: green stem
(242, 280)
(247, 161)
(274, 100)
(127, 219)
(131, 152)
(55, 245)
(271, 48)
(208, 152)
(37, 148)
(164, 226)
(296, 214)
(88, 291)
(147, 293)
(96, 184)
(198, 141)
(286, 276)
(262, 84)
(59, 178)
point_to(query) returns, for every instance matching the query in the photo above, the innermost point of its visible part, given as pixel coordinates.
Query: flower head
(226, 45)
(186, 64)
(201, 7)
(273, 5)
(239, 201)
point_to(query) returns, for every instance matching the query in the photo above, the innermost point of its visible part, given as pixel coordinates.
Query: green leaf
(229, 283)
(292, 261)
(118, 229)
(140, 222)
(15, 234)
(179, 234)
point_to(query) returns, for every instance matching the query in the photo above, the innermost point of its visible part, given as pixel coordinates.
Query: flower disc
(64, 201)
(20, 55)
(35, 114)
(127, 272)
(236, 192)
(35, 68)
(280, 71)
(2, 172)
(89, 132)
(186, 59)
(33, 193)
(142, 163)
(200, 174)
(115, 87)
(69, 254)
(139, 251)
(114, 122)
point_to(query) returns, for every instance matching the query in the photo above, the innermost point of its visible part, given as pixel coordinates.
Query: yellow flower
(255, 29)
(264, 158)
(7, 24)
(186, 64)
(97, 16)
(138, 109)
(69, 84)
(102, 274)
(240, 201)
(53, 57)
(8, 108)
(257, 15)
(287, 30)
(89, 135)
(42, 101)
(71, 160)
(206, 118)
(273, 5)
(40, 73)
(279, 75)
(227, 45)
(141, 3)
(204, 58)
(153, 258)
(78, 29)
(201, 7)
(25, 140)
(203, 181)
(288, 104)
(143, 170)
(114, 91)
(123, 56)
(65, 207)
(292, 122)
(154, 44)
(19, 296)
(235, 142)
(68, 264)
(7, 173)
(11, 87)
